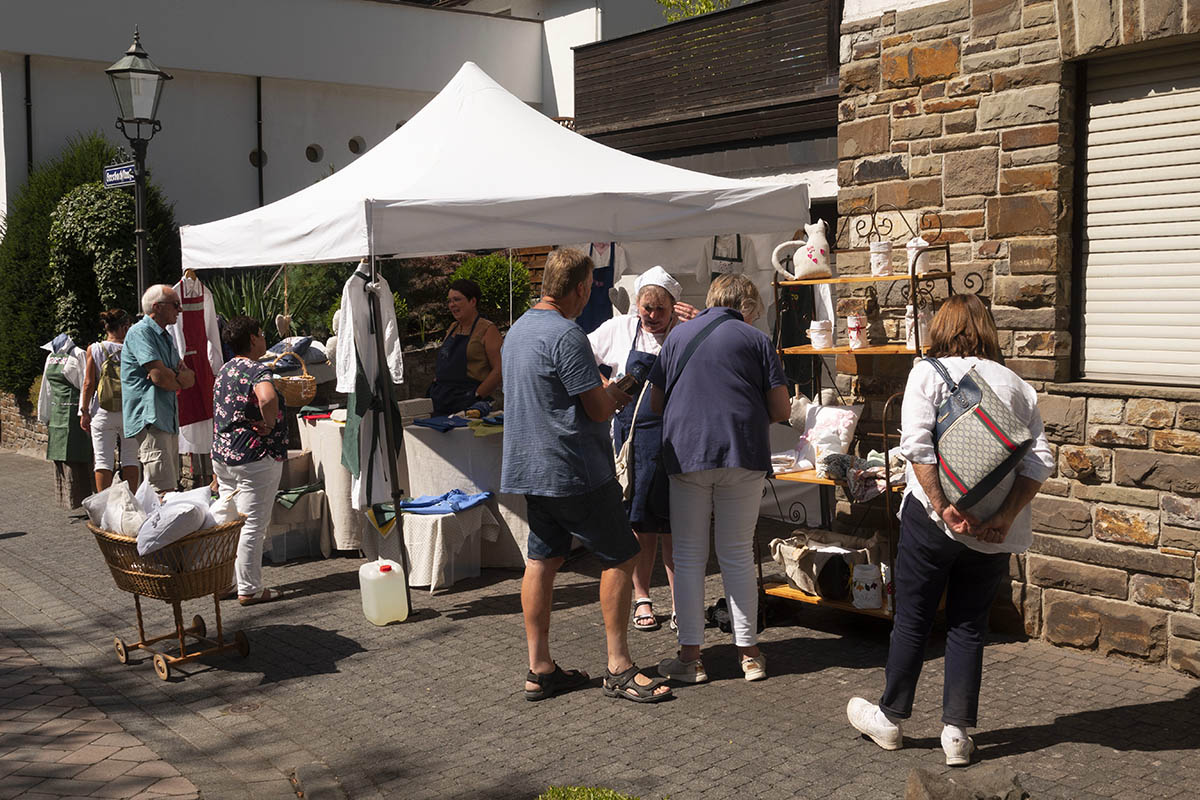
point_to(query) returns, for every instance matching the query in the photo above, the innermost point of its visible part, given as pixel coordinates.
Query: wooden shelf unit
(869, 350)
(810, 476)
(924, 276)
(787, 592)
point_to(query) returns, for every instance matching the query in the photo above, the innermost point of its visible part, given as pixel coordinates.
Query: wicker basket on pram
(197, 565)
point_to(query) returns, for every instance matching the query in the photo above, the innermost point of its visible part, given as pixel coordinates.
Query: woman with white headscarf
(628, 345)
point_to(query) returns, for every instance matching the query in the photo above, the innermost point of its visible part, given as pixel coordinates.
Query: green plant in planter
(253, 293)
(491, 272)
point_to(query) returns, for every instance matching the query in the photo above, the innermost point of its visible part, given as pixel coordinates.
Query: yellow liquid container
(384, 598)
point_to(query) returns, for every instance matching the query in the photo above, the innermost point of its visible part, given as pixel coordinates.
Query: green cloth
(289, 497)
(143, 403)
(67, 441)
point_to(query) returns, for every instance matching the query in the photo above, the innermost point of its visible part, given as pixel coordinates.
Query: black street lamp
(137, 83)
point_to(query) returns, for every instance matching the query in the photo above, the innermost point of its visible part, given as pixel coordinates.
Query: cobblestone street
(432, 708)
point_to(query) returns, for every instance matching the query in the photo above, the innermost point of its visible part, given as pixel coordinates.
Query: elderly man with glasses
(151, 373)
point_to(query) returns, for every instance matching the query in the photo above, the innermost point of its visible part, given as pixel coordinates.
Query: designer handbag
(978, 439)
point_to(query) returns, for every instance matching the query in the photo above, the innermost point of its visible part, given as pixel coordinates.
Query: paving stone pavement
(54, 743)
(433, 708)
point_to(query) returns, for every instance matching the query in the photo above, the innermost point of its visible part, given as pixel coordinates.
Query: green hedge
(491, 272)
(27, 299)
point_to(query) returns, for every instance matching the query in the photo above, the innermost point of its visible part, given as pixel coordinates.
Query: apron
(196, 403)
(67, 441)
(599, 307)
(452, 391)
(647, 442)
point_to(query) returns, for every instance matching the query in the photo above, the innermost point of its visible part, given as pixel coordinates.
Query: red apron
(196, 403)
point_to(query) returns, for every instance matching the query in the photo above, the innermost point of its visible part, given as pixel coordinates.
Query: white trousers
(108, 434)
(731, 497)
(257, 483)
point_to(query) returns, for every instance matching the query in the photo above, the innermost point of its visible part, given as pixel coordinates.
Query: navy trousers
(929, 562)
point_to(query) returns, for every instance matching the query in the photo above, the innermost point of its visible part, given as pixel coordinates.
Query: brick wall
(967, 108)
(19, 428)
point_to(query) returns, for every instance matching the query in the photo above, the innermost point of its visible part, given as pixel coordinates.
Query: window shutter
(1141, 248)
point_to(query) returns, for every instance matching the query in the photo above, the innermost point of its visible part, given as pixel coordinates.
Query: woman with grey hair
(629, 345)
(719, 384)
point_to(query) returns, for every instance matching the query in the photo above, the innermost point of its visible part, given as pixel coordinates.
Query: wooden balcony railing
(753, 71)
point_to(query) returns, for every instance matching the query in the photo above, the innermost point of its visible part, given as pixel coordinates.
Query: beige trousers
(159, 453)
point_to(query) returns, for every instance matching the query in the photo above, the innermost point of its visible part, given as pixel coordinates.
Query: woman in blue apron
(628, 345)
(468, 363)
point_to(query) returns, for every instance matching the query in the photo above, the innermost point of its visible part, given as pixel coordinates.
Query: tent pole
(389, 400)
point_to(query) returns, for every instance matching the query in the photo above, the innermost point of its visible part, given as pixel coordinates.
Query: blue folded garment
(448, 503)
(442, 424)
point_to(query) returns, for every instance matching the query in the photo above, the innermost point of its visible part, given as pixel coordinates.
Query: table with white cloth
(323, 439)
(458, 459)
(442, 548)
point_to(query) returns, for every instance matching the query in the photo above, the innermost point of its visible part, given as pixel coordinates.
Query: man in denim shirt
(557, 453)
(151, 373)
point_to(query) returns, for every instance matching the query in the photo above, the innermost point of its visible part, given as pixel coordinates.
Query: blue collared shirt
(143, 403)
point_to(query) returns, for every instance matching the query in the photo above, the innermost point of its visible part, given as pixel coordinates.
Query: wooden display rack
(869, 226)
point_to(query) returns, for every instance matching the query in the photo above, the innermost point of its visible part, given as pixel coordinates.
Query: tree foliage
(498, 290)
(28, 313)
(675, 10)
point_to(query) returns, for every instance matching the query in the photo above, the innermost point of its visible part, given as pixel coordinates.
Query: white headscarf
(657, 276)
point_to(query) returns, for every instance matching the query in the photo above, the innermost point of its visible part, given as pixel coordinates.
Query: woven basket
(296, 390)
(197, 565)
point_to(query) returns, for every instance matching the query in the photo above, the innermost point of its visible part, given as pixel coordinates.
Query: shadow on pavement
(13, 534)
(1145, 727)
(286, 652)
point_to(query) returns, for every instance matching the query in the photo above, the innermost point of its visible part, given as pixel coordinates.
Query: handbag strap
(690, 350)
(940, 368)
(636, 408)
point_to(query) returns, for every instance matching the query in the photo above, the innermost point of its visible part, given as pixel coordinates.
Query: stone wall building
(978, 109)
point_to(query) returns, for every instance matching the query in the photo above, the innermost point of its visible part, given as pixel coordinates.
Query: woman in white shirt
(944, 549)
(629, 344)
(105, 424)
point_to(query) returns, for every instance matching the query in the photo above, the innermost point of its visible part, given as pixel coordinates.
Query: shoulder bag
(659, 499)
(978, 439)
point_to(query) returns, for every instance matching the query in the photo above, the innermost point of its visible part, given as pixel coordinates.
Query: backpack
(108, 390)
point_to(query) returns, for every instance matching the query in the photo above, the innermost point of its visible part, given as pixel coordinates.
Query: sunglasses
(173, 303)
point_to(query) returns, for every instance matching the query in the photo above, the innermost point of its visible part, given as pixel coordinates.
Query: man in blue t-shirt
(557, 453)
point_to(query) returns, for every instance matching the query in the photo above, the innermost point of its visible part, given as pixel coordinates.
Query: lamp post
(137, 83)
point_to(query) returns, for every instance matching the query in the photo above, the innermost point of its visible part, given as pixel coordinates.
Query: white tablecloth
(442, 548)
(323, 438)
(458, 459)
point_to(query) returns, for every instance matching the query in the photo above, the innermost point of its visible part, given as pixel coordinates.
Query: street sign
(120, 175)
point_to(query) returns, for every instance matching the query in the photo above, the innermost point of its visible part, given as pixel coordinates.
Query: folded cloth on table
(317, 409)
(483, 427)
(448, 503)
(443, 424)
(289, 497)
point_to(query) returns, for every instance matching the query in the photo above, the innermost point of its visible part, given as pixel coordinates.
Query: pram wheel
(161, 667)
(122, 652)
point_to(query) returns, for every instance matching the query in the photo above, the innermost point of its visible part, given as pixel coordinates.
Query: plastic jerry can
(384, 598)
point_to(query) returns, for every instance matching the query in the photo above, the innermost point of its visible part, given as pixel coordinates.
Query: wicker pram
(197, 565)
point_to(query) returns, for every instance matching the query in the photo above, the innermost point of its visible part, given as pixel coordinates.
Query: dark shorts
(597, 517)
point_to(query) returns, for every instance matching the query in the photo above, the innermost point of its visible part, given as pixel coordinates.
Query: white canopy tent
(477, 168)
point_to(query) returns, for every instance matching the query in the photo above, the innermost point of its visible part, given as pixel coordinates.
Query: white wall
(332, 69)
(862, 9)
(352, 42)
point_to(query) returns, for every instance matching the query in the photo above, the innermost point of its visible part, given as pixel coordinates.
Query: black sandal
(556, 682)
(624, 684)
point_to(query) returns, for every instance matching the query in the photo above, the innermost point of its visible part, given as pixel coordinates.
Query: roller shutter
(1141, 248)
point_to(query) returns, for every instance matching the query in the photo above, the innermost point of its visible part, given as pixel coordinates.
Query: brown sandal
(265, 596)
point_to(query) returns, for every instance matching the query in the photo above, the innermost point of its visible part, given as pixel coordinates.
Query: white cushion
(169, 524)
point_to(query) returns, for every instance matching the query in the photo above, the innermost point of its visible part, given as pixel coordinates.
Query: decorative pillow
(224, 508)
(200, 497)
(122, 513)
(147, 497)
(94, 506)
(169, 524)
(827, 429)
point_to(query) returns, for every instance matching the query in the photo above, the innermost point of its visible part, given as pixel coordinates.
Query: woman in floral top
(249, 446)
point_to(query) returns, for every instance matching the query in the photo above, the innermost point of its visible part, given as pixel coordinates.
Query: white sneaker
(958, 750)
(867, 719)
(754, 667)
(679, 670)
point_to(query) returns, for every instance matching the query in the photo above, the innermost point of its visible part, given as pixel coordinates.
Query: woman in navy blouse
(719, 403)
